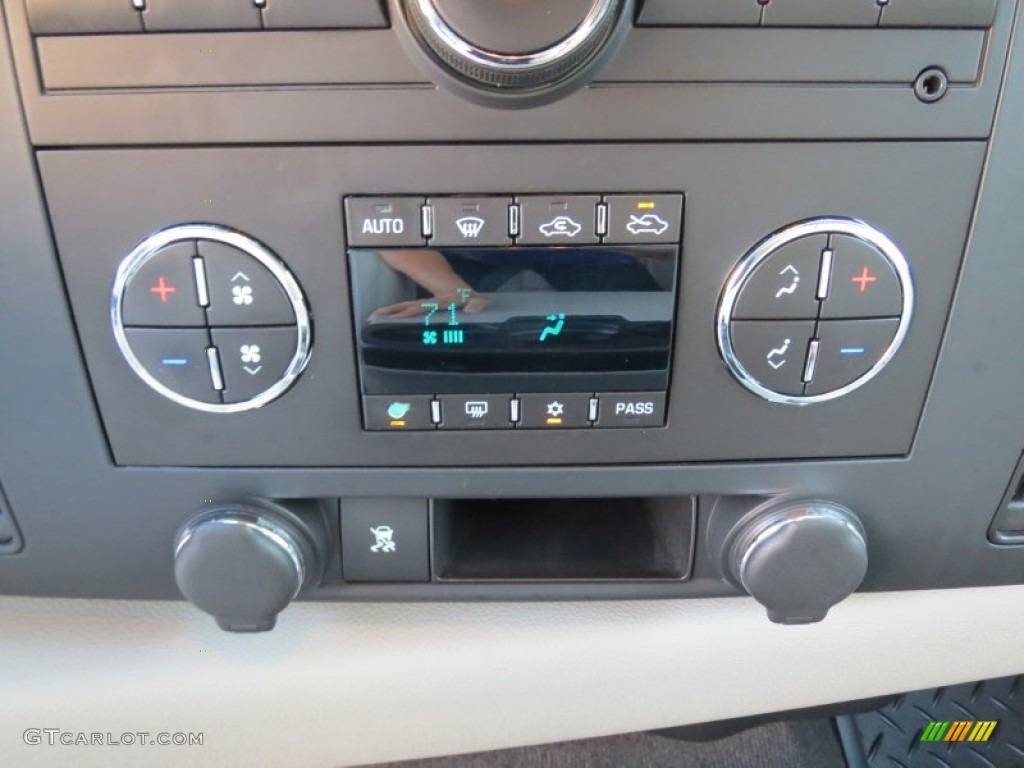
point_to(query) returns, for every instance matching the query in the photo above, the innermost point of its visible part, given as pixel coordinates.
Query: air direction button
(470, 221)
(774, 353)
(785, 285)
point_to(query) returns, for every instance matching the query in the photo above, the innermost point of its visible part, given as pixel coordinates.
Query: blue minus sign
(851, 351)
(174, 361)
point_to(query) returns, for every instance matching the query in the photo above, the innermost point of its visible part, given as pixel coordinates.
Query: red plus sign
(163, 289)
(864, 279)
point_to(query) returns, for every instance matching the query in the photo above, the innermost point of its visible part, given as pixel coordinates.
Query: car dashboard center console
(441, 300)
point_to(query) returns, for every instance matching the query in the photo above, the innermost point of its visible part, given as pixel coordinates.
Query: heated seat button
(554, 411)
(644, 218)
(252, 360)
(385, 540)
(470, 221)
(552, 220)
(773, 353)
(864, 283)
(631, 409)
(785, 284)
(176, 358)
(398, 413)
(163, 290)
(241, 290)
(848, 349)
(475, 411)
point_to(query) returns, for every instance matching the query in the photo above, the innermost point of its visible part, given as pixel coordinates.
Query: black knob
(244, 563)
(798, 559)
(516, 52)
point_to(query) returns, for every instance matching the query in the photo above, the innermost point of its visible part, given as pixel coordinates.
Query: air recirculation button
(210, 318)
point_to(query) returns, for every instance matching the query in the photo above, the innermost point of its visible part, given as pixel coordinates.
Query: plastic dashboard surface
(351, 685)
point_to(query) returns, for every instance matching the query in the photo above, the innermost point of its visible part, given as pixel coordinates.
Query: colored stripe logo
(959, 730)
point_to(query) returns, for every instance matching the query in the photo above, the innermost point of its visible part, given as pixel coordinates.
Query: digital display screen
(514, 319)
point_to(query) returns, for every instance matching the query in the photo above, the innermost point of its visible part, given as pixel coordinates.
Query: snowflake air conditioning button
(241, 290)
(252, 359)
(555, 411)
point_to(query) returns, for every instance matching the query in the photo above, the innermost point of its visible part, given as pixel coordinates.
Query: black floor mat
(793, 744)
(891, 737)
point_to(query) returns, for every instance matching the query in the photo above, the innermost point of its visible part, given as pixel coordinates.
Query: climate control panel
(210, 318)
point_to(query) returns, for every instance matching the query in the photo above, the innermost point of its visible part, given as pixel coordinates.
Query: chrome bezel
(515, 63)
(742, 272)
(157, 241)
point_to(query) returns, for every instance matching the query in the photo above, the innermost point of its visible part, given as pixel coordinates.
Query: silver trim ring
(445, 42)
(149, 247)
(750, 262)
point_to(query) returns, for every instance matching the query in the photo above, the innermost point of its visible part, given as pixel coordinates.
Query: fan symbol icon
(250, 353)
(242, 294)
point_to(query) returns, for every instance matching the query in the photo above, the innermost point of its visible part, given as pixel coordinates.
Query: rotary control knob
(244, 563)
(797, 559)
(516, 52)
